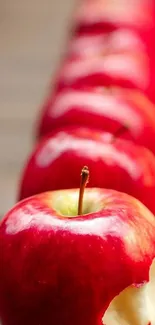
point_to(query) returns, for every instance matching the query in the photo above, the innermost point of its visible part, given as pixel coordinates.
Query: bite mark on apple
(134, 305)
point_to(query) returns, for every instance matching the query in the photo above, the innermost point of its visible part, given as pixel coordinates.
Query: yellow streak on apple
(135, 234)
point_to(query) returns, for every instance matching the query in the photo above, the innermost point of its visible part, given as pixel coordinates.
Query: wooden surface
(32, 35)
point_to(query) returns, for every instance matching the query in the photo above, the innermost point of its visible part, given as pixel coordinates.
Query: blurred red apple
(112, 46)
(98, 44)
(127, 70)
(102, 108)
(109, 14)
(99, 20)
(114, 163)
(60, 268)
(120, 58)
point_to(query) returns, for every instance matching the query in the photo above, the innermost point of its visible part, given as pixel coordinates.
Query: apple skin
(127, 70)
(122, 66)
(118, 59)
(95, 58)
(106, 109)
(106, 18)
(116, 13)
(107, 15)
(100, 64)
(118, 164)
(96, 44)
(66, 270)
(104, 58)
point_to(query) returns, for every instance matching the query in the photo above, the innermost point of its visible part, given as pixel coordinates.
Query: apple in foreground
(113, 162)
(64, 265)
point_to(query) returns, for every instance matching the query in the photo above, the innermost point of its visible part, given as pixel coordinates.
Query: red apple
(102, 108)
(110, 59)
(108, 14)
(98, 44)
(118, 53)
(60, 268)
(126, 70)
(95, 56)
(81, 77)
(114, 163)
(120, 58)
(113, 64)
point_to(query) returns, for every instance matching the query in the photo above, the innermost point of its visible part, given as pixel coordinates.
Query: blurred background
(32, 38)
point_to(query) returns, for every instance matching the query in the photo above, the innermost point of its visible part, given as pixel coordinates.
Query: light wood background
(32, 37)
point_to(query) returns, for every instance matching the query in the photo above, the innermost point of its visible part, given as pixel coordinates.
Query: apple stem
(120, 131)
(84, 181)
